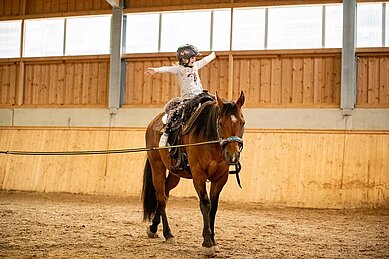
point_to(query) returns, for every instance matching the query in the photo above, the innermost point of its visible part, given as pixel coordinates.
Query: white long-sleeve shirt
(188, 77)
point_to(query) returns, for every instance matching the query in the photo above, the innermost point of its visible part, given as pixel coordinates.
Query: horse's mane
(206, 123)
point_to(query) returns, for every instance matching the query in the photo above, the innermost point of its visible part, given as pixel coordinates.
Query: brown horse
(222, 120)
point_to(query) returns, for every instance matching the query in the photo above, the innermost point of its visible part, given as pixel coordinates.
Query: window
(333, 26)
(221, 29)
(248, 29)
(295, 27)
(88, 35)
(142, 33)
(282, 27)
(44, 37)
(369, 25)
(10, 34)
(180, 28)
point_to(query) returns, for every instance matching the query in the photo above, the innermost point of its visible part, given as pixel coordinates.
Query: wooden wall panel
(318, 169)
(288, 81)
(159, 89)
(8, 84)
(164, 3)
(373, 81)
(187, 4)
(36, 7)
(294, 79)
(11, 7)
(83, 83)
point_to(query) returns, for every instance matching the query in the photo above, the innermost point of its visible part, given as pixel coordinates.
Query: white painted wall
(360, 119)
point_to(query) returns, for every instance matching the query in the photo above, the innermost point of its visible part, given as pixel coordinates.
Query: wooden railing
(283, 78)
(300, 78)
(55, 82)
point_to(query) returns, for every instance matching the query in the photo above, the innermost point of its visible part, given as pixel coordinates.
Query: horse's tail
(148, 193)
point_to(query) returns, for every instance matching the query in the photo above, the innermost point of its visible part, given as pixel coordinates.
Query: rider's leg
(173, 117)
(165, 135)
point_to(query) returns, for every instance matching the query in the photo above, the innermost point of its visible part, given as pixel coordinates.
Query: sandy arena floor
(44, 225)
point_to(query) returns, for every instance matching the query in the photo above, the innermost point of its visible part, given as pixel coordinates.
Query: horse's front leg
(216, 188)
(205, 207)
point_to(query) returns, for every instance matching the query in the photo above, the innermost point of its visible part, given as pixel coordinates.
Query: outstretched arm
(206, 60)
(153, 70)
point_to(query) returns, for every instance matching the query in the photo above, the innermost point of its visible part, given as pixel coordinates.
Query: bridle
(223, 143)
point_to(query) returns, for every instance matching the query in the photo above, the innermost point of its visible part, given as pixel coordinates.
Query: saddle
(193, 107)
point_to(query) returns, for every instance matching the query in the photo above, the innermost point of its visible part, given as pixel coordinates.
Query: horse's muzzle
(232, 158)
(232, 153)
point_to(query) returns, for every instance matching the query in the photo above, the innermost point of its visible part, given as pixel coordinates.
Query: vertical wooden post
(230, 76)
(20, 86)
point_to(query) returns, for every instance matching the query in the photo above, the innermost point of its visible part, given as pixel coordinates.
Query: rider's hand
(150, 72)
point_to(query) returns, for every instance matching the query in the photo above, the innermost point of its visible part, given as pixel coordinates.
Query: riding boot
(163, 140)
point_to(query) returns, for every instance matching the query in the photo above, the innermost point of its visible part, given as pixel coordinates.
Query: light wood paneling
(373, 81)
(19, 9)
(34, 7)
(269, 79)
(11, 7)
(293, 78)
(165, 3)
(288, 81)
(8, 84)
(82, 83)
(318, 169)
(41, 8)
(301, 80)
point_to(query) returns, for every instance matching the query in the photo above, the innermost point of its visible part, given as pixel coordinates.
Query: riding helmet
(186, 51)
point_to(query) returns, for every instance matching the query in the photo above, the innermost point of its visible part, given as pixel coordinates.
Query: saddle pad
(188, 125)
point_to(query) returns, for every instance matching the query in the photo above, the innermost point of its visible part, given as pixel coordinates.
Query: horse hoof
(171, 240)
(216, 248)
(151, 234)
(208, 251)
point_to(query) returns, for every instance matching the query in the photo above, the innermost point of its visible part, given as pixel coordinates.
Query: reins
(99, 152)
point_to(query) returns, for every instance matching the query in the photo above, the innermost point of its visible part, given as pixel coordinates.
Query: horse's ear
(219, 101)
(240, 101)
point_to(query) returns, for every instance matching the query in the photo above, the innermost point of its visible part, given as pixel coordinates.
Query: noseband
(225, 141)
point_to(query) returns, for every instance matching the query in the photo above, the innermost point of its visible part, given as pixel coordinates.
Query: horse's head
(230, 123)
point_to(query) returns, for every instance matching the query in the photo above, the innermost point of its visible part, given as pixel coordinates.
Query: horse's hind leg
(160, 182)
(171, 182)
(152, 230)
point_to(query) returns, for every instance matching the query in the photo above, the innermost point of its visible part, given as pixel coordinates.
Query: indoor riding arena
(307, 81)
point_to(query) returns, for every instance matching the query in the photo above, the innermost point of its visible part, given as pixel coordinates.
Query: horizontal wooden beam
(55, 59)
(137, 8)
